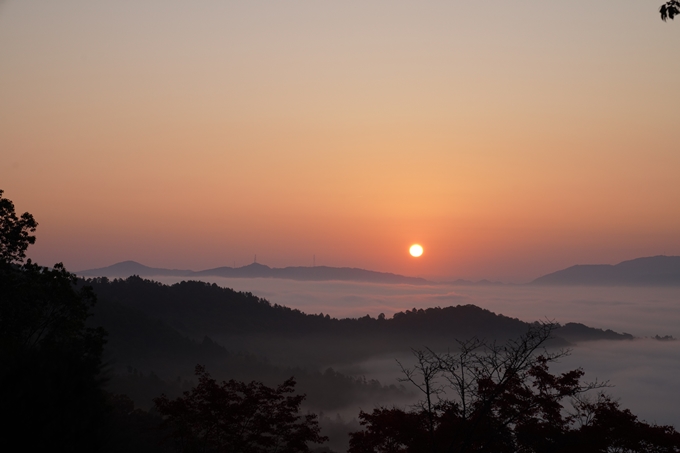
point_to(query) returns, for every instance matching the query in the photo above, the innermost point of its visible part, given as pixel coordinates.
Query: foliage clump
(669, 10)
(237, 417)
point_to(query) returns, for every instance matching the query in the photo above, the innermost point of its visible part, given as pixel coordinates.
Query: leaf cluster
(669, 10)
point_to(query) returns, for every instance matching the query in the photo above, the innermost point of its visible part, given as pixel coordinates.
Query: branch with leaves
(669, 10)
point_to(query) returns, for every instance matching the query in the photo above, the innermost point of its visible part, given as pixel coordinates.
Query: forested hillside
(145, 356)
(158, 333)
(198, 309)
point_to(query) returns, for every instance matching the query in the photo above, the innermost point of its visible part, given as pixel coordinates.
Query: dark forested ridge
(145, 356)
(167, 329)
(650, 271)
(197, 309)
(158, 332)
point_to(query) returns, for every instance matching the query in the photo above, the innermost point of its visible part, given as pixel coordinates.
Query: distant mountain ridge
(658, 270)
(255, 270)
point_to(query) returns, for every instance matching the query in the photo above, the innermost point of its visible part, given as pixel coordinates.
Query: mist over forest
(377, 226)
(344, 363)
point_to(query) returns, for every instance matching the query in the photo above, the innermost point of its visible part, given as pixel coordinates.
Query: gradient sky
(510, 139)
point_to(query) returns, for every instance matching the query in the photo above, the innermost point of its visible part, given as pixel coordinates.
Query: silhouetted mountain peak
(128, 268)
(129, 265)
(658, 263)
(658, 270)
(256, 266)
(256, 270)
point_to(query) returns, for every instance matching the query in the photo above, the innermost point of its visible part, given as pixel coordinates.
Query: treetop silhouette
(15, 232)
(237, 417)
(503, 398)
(669, 10)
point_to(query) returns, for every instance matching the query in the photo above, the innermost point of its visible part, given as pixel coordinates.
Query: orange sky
(510, 139)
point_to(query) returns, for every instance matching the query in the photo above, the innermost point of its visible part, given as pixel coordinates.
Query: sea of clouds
(645, 373)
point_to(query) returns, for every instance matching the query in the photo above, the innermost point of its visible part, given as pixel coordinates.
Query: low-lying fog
(645, 372)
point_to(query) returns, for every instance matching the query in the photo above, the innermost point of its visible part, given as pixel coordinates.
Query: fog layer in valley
(641, 311)
(643, 371)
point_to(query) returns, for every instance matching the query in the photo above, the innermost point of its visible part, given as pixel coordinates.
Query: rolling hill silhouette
(650, 271)
(255, 270)
(242, 319)
(125, 269)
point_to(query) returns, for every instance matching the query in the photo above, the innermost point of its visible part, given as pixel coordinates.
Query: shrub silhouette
(238, 417)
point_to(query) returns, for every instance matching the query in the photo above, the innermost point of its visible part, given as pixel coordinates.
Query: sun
(416, 250)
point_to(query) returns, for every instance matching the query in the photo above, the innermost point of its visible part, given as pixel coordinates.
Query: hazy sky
(510, 139)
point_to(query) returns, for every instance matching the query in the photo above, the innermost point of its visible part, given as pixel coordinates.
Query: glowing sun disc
(416, 250)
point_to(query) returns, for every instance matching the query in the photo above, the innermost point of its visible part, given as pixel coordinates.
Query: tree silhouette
(238, 417)
(669, 10)
(503, 398)
(50, 390)
(15, 232)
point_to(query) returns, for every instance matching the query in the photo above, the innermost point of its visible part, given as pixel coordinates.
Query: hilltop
(255, 270)
(649, 271)
(285, 335)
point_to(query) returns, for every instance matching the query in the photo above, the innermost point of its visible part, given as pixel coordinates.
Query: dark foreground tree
(50, 390)
(669, 10)
(133, 430)
(503, 398)
(15, 232)
(238, 417)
